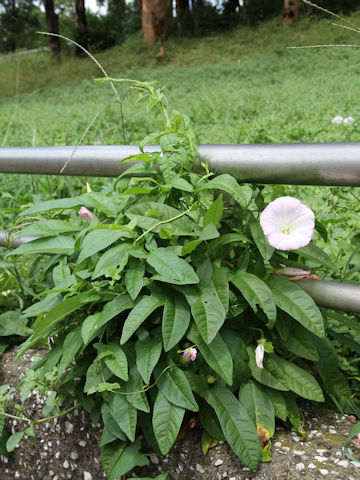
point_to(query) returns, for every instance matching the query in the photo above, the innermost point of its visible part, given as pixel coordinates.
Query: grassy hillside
(239, 87)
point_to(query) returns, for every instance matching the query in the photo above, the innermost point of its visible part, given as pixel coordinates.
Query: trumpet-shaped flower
(86, 214)
(259, 355)
(287, 223)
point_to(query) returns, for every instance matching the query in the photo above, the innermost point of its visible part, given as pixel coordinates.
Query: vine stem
(162, 222)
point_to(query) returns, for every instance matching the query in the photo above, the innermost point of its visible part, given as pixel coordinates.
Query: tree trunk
(290, 12)
(52, 20)
(81, 26)
(155, 19)
(182, 7)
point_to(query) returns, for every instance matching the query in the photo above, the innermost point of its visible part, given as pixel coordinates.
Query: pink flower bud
(294, 272)
(189, 354)
(6, 293)
(259, 355)
(86, 214)
(349, 120)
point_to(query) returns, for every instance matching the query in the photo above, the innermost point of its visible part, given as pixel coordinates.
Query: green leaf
(208, 233)
(98, 240)
(241, 193)
(115, 359)
(142, 310)
(14, 440)
(216, 354)
(180, 184)
(124, 414)
(301, 342)
(298, 304)
(221, 285)
(134, 387)
(298, 380)
(294, 414)
(239, 430)
(312, 252)
(262, 375)
(134, 277)
(175, 320)
(61, 204)
(334, 381)
(353, 433)
(150, 214)
(72, 344)
(13, 323)
(43, 325)
(172, 268)
(167, 419)
(47, 228)
(279, 403)
(117, 459)
(110, 425)
(148, 352)
(114, 257)
(225, 240)
(207, 310)
(100, 202)
(256, 292)
(93, 323)
(265, 249)
(175, 387)
(56, 245)
(259, 408)
(214, 213)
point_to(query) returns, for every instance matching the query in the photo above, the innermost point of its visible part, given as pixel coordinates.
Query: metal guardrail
(291, 164)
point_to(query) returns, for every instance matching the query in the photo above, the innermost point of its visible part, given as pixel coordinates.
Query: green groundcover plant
(167, 298)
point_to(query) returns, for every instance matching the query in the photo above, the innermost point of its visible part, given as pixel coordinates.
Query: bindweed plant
(167, 297)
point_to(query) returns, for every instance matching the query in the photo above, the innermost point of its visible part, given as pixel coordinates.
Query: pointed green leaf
(175, 387)
(265, 249)
(256, 292)
(221, 285)
(49, 228)
(259, 408)
(14, 440)
(148, 352)
(115, 359)
(134, 387)
(172, 268)
(279, 403)
(134, 277)
(167, 419)
(214, 213)
(124, 414)
(263, 375)
(241, 193)
(57, 245)
(49, 205)
(316, 254)
(298, 304)
(118, 459)
(298, 380)
(175, 320)
(93, 323)
(240, 432)
(216, 354)
(98, 240)
(142, 310)
(72, 344)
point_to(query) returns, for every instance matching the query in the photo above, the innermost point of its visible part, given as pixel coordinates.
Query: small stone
(300, 466)
(299, 452)
(74, 455)
(199, 468)
(88, 476)
(82, 443)
(66, 464)
(278, 444)
(332, 430)
(320, 459)
(323, 471)
(218, 463)
(343, 463)
(154, 459)
(311, 465)
(69, 428)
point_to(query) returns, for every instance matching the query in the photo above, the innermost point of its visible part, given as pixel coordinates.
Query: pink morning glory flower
(86, 214)
(190, 354)
(259, 355)
(287, 223)
(349, 120)
(337, 120)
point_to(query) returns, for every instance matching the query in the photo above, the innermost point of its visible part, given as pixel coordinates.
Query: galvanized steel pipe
(292, 164)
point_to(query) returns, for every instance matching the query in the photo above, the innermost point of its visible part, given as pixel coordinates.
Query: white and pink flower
(86, 214)
(287, 223)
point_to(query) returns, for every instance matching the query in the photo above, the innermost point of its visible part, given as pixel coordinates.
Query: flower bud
(259, 355)
(86, 214)
(349, 120)
(294, 272)
(189, 354)
(337, 120)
